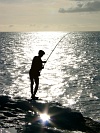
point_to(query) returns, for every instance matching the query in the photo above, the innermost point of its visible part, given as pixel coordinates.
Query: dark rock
(92, 126)
(4, 99)
(21, 111)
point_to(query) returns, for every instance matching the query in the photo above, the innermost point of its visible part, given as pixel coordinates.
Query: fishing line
(55, 48)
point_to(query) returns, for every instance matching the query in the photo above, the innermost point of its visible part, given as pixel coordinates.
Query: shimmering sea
(70, 77)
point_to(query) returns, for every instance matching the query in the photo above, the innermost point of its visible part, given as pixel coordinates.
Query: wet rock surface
(24, 115)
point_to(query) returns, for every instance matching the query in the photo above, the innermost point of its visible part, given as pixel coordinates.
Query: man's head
(41, 53)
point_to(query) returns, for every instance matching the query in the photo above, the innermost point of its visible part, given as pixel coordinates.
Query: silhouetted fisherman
(34, 73)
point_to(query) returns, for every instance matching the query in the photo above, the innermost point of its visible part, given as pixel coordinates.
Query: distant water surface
(71, 76)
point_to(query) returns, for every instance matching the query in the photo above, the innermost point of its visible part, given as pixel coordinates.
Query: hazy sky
(49, 15)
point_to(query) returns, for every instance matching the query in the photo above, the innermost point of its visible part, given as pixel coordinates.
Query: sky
(49, 15)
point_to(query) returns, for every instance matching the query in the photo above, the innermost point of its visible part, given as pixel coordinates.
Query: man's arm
(44, 61)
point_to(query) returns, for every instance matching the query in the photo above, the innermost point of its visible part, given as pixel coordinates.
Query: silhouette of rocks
(19, 112)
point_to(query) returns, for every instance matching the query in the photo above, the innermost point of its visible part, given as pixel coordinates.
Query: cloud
(11, 25)
(21, 1)
(18, 1)
(91, 6)
(7, 1)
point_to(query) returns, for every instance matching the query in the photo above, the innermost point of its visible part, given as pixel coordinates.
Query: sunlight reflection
(71, 75)
(71, 101)
(44, 117)
(55, 75)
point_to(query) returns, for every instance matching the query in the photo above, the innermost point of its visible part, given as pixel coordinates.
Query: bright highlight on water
(71, 76)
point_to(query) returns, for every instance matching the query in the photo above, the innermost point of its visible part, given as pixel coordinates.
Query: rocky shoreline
(24, 115)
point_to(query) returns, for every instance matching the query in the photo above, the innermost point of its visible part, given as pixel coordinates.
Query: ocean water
(71, 75)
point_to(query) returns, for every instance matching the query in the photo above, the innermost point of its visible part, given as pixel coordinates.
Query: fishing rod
(55, 47)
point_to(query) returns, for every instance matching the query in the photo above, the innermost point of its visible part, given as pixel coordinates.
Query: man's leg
(32, 82)
(36, 85)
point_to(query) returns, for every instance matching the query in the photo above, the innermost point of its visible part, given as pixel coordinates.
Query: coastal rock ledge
(24, 115)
